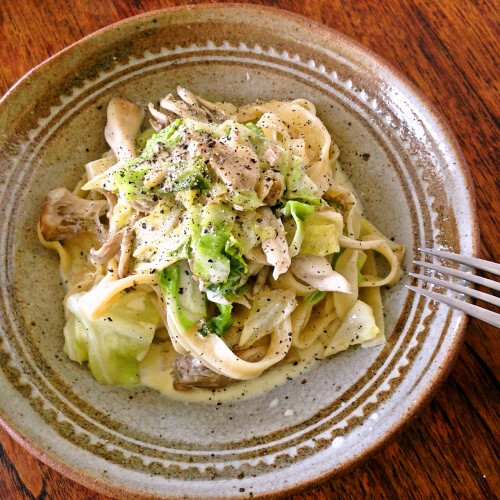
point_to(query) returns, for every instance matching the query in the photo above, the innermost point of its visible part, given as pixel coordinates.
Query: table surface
(447, 48)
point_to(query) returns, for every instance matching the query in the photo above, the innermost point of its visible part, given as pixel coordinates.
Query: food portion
(214, 242)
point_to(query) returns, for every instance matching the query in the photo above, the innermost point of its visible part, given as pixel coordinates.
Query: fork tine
(460, 274)
(477, 312)
(486, 297)
(485, 265)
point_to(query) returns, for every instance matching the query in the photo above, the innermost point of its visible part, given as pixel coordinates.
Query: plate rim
(101, 485)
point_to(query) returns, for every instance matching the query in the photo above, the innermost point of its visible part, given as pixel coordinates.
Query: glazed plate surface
(407, 170)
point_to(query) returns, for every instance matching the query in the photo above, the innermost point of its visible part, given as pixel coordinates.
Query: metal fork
(490, 317)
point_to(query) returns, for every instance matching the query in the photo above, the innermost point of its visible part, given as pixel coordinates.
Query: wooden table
(448, 48)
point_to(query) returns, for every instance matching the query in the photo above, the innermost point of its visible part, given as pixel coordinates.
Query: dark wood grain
(448, 48)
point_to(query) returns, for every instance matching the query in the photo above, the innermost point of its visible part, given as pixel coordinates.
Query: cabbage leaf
(299, 211)
(187, 302)
(114, 343)
(357, 327)
(269, 309)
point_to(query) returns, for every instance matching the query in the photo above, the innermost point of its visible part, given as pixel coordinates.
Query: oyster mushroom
(160, 118)
(109, 249)
(124, 122)
(125, 252)
(196, 108)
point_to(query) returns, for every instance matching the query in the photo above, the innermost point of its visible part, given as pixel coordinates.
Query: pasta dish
(229, 238)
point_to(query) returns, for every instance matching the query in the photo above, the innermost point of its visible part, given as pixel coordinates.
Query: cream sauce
(155, 371)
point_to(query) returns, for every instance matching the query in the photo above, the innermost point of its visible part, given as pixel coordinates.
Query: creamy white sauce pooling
(155, 371)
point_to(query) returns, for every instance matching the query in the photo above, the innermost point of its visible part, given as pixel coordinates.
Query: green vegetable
(298, 185)
(218, 324)
(317, 233)
(298, 211)
(245, 199)
(209, 260)
(129, 180)
(75, 340)
(114, 343)
(167, 137)
(189, 174)
(255, 129)
(321, 233)
(190, 298)
(186, 302)
(361, 262)
(335, 257)
(142, 139)
(236, 280)
(314, 297)
(256, 137)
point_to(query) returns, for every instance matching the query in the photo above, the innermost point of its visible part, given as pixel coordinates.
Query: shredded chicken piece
(65, 215)
(270, 187)
(272, 155)
(124, 122)
(275, 249)
(236, 165)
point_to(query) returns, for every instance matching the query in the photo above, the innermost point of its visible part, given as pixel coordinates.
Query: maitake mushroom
(189, 372)
(65, 215)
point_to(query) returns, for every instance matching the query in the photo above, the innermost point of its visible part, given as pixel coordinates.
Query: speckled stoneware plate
(406, 167)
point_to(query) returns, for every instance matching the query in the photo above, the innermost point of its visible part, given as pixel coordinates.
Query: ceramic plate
(406, 167)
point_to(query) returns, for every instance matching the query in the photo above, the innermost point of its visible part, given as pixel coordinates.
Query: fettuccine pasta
(228, 235)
